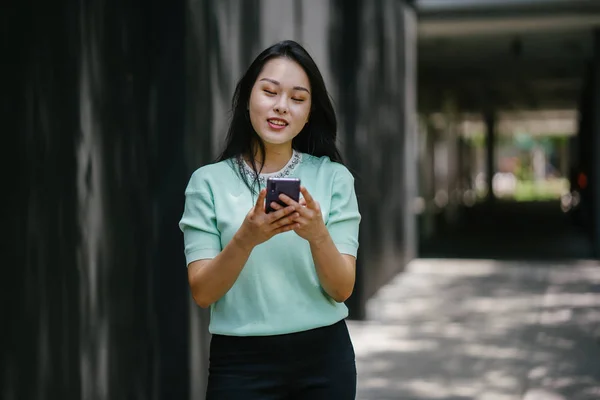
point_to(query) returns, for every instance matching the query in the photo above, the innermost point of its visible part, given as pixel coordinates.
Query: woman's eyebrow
(274, 82)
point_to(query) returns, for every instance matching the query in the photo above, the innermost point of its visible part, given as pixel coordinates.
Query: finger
(285, 228)
(308, 198)
(300, 221)
(288, 200)
(260, 202)
(289, 220)
(302, 202)
(276, 215)
(276, 206)
(304, 211)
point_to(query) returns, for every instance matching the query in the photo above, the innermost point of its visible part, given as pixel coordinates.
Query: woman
(275, 283)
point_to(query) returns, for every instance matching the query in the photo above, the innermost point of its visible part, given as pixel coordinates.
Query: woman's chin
(276, 140)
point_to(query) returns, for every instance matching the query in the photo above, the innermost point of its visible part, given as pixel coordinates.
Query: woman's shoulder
(324, 164)
(219, 173)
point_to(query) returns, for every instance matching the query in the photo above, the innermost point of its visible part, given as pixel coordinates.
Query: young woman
(275, 283)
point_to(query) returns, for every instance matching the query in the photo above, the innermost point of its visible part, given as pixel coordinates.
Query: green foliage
(536, 191)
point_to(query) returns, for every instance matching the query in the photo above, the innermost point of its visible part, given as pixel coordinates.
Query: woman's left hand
(309, 222)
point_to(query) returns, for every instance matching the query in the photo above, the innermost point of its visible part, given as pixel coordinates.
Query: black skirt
(314, 364)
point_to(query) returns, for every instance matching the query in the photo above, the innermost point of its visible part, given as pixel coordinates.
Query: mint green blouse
(278, 290)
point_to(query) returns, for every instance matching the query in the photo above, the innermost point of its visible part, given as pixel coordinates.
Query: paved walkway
(483, 330)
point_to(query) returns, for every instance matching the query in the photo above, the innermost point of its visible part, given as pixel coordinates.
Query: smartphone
(276, 186)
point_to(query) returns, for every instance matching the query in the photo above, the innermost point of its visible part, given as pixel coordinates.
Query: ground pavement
(483, 330)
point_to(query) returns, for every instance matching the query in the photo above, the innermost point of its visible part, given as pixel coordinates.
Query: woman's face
(280, 101)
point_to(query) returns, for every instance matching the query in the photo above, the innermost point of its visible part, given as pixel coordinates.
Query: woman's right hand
(258, 226)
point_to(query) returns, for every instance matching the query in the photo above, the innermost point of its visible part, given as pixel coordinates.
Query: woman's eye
(269, 92)
(298, 100)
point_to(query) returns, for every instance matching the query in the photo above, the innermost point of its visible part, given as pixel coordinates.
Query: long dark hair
(318, 137)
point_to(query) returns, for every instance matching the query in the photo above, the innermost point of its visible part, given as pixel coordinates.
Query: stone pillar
(595, 137)
(372, 58)
(452, 167)
(490, 146)
(99, 301)
(426, 177)
(411, 131)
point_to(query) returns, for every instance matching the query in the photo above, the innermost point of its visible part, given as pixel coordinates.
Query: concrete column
(452, 185)
(426, 177)
(373, 67)
(490, 146)
(595, 138)
(409, 109)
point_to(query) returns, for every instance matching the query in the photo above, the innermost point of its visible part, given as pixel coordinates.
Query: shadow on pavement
(482, 329)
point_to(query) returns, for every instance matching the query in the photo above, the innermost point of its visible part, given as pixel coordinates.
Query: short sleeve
(344, 217)
(201, 237)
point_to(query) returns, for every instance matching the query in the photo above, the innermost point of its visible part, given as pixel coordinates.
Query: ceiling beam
(469, 26)
(458, 8)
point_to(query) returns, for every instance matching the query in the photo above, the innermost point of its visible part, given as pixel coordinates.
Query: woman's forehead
(285, 72)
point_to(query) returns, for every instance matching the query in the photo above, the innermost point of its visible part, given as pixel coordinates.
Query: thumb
(260, 202)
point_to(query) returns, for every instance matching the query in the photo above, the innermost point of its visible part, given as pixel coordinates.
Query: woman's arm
(336, 271)
(210, 279)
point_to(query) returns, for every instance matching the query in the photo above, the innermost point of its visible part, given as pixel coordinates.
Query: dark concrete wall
(379, 133)
(594, 128)
(98, 302)
(113, 105)
(585, 148)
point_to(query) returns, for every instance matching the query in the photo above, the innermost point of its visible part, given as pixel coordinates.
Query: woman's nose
(281, 106)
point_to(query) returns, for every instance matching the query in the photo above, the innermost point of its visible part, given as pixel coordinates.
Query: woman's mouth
(276, 123)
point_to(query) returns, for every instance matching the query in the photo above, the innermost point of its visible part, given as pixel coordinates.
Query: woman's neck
(276, 157)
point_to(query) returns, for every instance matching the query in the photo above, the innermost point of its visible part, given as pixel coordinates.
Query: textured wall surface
(99, 308)
(594, 128)
(113, 105)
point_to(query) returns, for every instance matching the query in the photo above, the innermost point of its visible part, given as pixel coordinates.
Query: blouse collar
(286, 171)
